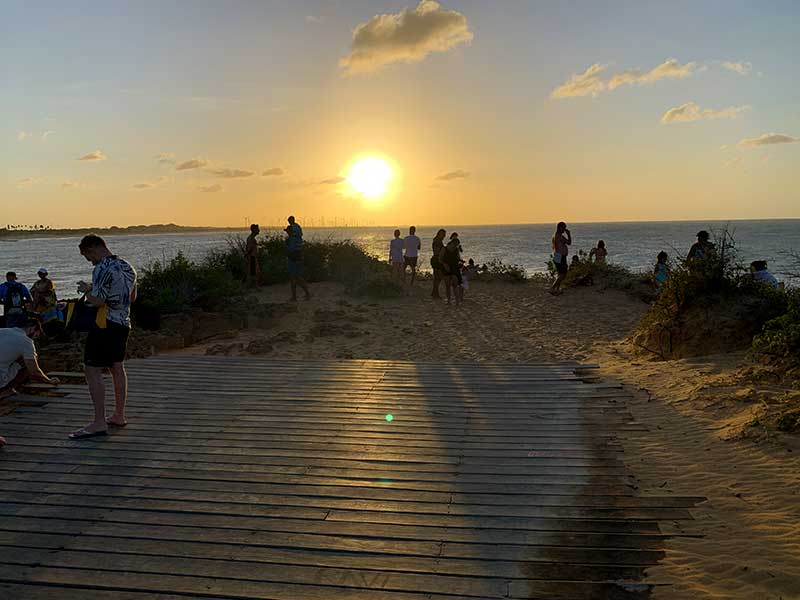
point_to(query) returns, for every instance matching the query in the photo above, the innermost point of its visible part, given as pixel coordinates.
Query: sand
(698, 411)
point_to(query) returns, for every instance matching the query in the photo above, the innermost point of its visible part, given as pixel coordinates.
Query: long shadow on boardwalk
(247, 478)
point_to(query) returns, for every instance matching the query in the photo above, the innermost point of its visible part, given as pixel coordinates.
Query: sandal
(82, 434)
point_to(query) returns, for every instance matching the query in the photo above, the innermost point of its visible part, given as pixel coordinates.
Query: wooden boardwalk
(257, 479)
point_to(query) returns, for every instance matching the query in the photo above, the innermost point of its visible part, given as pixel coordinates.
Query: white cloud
(768, 139)
(588, 83)
(166, 157)
(27, 182)
(408, 36)
(70, 184)
(142, 186)
(47, 134)
(231, 173)
(211, 188)
(23, 135)
(273, 172)
(734, 162)
(459, 174)
(314, 19)
(195, 163)
(686, 113)
(742, 67)
(592, 81)
(93, 156)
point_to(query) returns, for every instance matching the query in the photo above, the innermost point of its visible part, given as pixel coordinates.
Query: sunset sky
(204, 113)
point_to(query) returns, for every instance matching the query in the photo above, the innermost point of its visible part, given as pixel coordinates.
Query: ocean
(633, 245)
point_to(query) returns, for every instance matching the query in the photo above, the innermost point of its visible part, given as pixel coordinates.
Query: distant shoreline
(14, 234)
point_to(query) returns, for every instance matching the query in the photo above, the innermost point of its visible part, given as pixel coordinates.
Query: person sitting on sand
(450, 258)
(294, 257)
(412, 245)
(702, 248)
(18, 359)
(15, 299)
(560, 242)
(599, 253)
(396, 256)
(436, 264)
(251, 257)
(661, 270)
(760, 274)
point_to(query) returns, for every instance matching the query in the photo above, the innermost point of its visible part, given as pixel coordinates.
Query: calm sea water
(634, 245)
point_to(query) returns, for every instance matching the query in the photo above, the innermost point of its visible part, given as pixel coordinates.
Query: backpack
(14, 301)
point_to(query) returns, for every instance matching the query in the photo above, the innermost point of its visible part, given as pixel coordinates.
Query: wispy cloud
(166, 157)
(768, 139)
(27, 182)
(732, 163)
(689, 112)
(314, 19)
(408, 36)
(47, 134)
(142, 186)
(273, 172)
(595, 79)
(459, 174)
(231, 173)
(67, 185)
(23, 135)
(332, 181)
(93, 156)
(211, 188)
(741, 67)
(195, 163)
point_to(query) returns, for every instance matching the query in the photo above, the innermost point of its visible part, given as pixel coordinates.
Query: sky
(227, 112)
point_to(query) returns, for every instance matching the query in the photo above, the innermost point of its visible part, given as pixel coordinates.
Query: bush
(708, 306)
(780, 340)
(497, 270)
(180, 285)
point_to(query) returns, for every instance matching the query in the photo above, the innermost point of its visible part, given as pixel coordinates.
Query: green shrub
(780, 339)
(181, 285)
(497, 270)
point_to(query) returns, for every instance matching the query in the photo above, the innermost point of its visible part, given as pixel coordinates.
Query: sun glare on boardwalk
(370, 177)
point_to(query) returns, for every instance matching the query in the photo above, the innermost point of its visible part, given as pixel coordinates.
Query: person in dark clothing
(436, 265)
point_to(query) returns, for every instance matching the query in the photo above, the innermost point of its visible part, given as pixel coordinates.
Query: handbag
(83, 317)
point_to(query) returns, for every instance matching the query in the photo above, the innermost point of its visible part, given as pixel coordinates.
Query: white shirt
(412, 243)
(396, 250)
(113, 280)
(14, 344)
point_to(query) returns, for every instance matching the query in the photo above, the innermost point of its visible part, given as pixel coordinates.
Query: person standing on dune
(412, 244)
(252, 270)
(561, 241)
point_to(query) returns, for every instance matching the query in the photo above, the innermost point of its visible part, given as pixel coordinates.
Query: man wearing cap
(43, 293)
(18, 361)
(15, 299)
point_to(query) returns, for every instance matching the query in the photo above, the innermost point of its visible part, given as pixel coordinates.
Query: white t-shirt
(14, 344)
(396, 250)
(411, 243)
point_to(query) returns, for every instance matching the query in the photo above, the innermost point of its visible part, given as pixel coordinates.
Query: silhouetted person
(561, 241)
(412, 245)
(252, 269)
(436, 264)
(294, 257)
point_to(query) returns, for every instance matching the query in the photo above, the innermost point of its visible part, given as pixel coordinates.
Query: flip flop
(82, 434)
(111, 423)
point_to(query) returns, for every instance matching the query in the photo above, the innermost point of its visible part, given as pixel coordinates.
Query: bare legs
(97, 390)
(437, 280)
(295, 281)
(556, 289)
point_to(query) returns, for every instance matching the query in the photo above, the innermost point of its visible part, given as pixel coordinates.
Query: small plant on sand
(497, 270)
(779, 342)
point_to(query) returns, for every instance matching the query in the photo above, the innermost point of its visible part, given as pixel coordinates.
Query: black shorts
(104, 347)
(561, 267)
(410, 261)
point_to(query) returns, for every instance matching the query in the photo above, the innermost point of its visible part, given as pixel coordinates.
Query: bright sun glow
(370, 177)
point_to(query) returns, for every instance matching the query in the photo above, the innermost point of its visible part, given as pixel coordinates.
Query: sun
(370, 177)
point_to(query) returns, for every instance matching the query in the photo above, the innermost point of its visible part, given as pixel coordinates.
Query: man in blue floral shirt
(113, 287)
